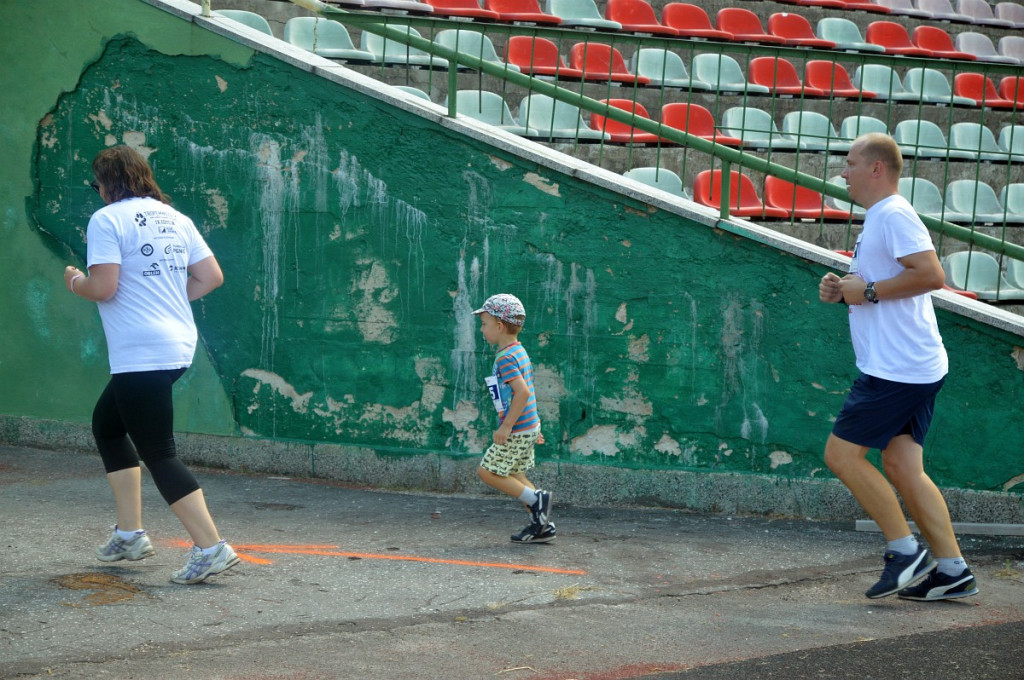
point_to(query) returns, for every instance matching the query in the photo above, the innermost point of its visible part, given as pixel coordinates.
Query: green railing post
(726, 190)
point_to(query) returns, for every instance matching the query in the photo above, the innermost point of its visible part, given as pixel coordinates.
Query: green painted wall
(356, 238)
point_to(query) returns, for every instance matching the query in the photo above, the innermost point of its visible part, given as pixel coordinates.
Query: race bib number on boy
(495, 392)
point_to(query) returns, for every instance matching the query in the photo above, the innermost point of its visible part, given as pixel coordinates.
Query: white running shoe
(200, 566)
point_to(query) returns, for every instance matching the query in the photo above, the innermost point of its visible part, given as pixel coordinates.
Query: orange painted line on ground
(328, 551)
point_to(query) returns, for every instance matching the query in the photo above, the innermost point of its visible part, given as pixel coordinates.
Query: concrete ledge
(576, 484)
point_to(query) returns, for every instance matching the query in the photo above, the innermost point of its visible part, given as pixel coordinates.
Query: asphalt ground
(341, 582)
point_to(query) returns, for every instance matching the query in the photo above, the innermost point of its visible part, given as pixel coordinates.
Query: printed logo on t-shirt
(154, 270)
(140, 220)
(147, 250)
(174, 249)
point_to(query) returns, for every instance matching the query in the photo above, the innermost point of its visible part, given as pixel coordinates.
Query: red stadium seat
(621, 132)
(800, 202)
(743, 198)
(981, 89)
(604, 63)
(691, 21)
(866, 6)
(832, 77)
(779, 76)
(538, 57)
(744, 26)
(636, 16)
(521, 11)
(696, 120)
(461, 8)
(1012, 88)
(894, 38)
(796, 30)
(939, 43)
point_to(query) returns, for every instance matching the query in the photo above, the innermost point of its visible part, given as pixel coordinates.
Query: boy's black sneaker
(535, 533)
(939, 586)
(902, 571)
(541, 507)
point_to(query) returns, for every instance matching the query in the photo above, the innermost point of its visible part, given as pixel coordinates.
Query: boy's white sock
(528, 496)
(904, 546)
(952, 566)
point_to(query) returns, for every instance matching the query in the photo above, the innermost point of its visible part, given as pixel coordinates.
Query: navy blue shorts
(876, 410)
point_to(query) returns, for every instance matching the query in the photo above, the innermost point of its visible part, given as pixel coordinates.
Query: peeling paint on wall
(300, 402)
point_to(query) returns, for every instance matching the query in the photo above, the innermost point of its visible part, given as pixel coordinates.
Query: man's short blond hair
(876, 146)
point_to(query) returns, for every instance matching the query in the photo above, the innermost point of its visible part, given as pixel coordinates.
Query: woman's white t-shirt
(895, 339)
(148, 322)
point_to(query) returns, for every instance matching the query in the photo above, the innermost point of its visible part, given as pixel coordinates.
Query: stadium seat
(462, 8)
(980, 45)
(473, 43)
(833, 78)
(250, 19)
(538, 57)
(800, 202)
(490, 108)
(883, 81)
(580, 13)
(636, 16)
(904, 8)
(603, 63)
(830, 4)
(979, 201)
(796, 31)
(866, 6)
(853, 127)
(1012, 198)
(894, 38)
(696, 120)
(942, 10)
(691, 21)
(977, 139)
(854, 209)
(813, 132)
(780, 77)
(1011, 140)
(979, 273)
(1012, 12)
(981, 13)
(938, 42)
(550, 119)
(743, 199)
(1015, 269)
(1011, 46)
(745, 26)
(980, 89)
(391, 52)
(622, 133)
(845, 34)
(924, 139)
(324, 37)
(521, 12)
(722, 73)
(397, 6)
(927, 200)
(756, 129)
(931, 87)
(414, 91)
(659, 178)
(663, 67)
(1012, 88)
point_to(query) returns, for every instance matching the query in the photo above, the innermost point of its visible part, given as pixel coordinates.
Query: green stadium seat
(488, 107)
(845, 34)
(722, 73)
(978, 200)
(663, 68)
(1012, 12)
(1011, 140)
(932, 87)
(853, 127)
(980, 45)
(927, 200)
(756, 129)
(1012, 198)
(981, 13)
(473, 43)
(813, 132)
(414, 91)
(550, 119)
(659, 178)
(979, 273)
(978, 139)
(924, 139)
(580, 14)
(250, 19)
(884, 81)
(393, 53)
(324, 37)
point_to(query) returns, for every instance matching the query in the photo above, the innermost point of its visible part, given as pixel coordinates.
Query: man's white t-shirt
(148, 322)
(895, 339)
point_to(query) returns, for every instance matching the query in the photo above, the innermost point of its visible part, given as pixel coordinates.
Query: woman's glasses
(95, 187)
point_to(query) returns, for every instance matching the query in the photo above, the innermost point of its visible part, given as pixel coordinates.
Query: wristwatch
(869, 293)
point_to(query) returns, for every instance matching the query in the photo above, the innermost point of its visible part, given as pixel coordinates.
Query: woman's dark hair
(124, 173)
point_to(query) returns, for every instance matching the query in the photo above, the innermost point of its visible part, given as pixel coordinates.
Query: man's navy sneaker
(902, 571)
(939, 586)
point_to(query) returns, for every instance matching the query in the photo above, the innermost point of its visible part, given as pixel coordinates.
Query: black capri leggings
(136, 408)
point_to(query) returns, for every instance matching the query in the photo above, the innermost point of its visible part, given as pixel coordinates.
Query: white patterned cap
(504, 307)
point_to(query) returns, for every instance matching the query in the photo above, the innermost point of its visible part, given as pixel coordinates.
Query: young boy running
(506, 461)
